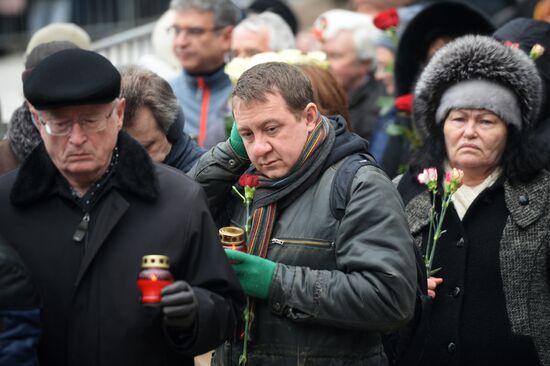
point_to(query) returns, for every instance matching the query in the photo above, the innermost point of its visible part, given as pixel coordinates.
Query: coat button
(231, 162)
(455, 292)
(523, 200)
(451, 347)
(277, 307)
(460, 243)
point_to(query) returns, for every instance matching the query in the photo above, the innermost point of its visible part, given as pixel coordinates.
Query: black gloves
(179, 305)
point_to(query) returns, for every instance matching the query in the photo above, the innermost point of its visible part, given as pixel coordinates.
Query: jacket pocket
(304, 252)
(313, 243)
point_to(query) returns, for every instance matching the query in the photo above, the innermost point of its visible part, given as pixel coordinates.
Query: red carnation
(404, 103)
(386, 19)
(249, 180)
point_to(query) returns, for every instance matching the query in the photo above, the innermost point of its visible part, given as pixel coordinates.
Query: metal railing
(128, 46)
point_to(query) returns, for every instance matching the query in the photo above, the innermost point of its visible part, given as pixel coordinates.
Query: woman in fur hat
(475, 104)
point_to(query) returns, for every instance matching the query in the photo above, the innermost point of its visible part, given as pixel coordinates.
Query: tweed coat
(524, 256)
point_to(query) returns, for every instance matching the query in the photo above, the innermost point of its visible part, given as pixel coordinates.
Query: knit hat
(440, 19)
(477, 58)
(72, 77)
(60, 32)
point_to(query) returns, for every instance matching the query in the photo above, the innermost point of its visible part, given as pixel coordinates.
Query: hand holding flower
(433, 282)
(453, 181)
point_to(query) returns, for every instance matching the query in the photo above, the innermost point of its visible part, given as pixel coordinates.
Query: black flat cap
(72, 77)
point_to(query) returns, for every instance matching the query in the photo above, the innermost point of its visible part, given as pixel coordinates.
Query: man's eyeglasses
(63, 127)
(190, 31)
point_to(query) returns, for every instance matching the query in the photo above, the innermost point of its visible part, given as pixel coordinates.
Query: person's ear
(312, 116)
(34, 116)
(120, 112)
(225, 36)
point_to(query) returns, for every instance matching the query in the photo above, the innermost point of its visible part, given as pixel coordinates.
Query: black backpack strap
(340, 192)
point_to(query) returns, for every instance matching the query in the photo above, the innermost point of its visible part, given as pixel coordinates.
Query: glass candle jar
(232, 237)
(154, 276)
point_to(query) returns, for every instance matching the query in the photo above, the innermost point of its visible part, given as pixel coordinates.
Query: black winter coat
(91, 313)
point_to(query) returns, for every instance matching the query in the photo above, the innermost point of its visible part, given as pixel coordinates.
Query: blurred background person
(163, 60)
(525, 33)
(202, 38)
(279, 7)
(348, 39)
(154, 118)
(20, 328)
(475, 107)
(386, 47)
(262, 32)
(60, 32)
(328, 95)
(542, 11)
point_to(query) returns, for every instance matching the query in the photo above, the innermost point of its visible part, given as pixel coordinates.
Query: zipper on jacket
(304, 242)
(82, 228)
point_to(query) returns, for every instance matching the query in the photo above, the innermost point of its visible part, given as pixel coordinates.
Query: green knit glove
(236, 142)
(255, 273)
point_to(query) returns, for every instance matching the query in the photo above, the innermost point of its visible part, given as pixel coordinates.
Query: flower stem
(238, 193)
(244, 356)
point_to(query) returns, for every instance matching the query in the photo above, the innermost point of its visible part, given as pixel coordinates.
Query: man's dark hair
(290, 82)
(143, 88)
(224, 11)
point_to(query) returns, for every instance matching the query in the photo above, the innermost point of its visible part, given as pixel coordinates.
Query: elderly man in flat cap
(84, 208)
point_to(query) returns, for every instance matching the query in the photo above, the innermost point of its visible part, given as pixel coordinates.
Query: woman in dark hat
(475, 106)
(524, 33)
(433, 27)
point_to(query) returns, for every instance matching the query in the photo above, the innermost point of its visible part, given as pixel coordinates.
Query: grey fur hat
(476, 58)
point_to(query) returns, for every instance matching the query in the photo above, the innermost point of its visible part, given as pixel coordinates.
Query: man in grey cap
(79, 211)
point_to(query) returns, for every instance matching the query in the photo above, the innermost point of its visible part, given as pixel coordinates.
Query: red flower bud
(404, 103)
(386, 19)
(249, 180)
(510, 44)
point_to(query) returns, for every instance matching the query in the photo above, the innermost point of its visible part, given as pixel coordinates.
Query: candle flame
(153, 277)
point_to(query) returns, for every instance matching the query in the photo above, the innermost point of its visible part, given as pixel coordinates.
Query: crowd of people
(388, 182)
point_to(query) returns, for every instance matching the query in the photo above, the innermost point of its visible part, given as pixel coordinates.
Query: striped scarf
(270, 191)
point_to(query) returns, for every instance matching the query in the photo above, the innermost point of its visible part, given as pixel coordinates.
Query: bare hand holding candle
(154, 276)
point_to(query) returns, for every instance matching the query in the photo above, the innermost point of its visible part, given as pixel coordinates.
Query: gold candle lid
(231, 235)
(155, 261)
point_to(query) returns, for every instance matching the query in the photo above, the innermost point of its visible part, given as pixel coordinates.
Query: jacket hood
(476, 58)
(444, 18)
(345, 142)
(22, 133)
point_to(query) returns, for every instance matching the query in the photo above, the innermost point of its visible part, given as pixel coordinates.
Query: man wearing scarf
(321, 290)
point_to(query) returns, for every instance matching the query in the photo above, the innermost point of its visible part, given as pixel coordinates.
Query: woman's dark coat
(493, 306)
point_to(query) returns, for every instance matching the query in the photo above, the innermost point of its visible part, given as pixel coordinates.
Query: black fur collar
(135, 174)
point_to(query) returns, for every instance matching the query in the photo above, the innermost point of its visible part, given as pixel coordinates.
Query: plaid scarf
(270, 191)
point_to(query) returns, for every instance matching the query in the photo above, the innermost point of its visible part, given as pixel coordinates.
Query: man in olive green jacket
(322, 289)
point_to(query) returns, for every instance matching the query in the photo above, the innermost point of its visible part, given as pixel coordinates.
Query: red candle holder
(154, 276)
(232, 238)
